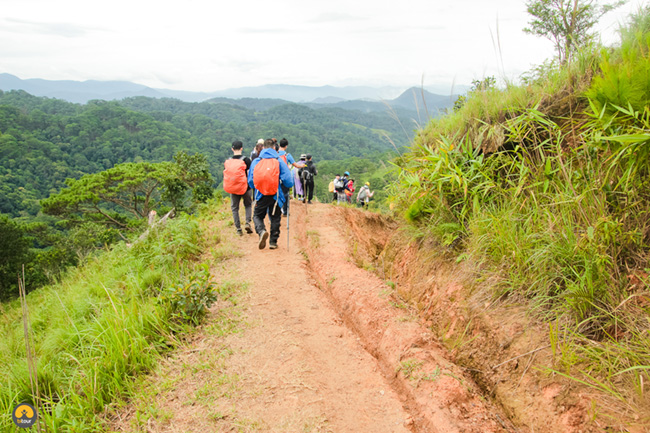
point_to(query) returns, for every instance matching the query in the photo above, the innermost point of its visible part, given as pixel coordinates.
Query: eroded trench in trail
(440, 396)
(459, 358)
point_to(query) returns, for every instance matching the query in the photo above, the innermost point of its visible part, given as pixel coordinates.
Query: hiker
(307, 175)
(336, 182)
(258, 149)
(299, 187)
(364, 195)
(349, 190)
(291, 163)
(267, 174)
(341, 197)
(235, 182)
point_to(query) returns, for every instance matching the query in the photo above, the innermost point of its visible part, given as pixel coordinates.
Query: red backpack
(284, 158)
(266, 176)
(234, 176)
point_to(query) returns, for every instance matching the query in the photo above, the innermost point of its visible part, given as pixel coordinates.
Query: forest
(47, 144)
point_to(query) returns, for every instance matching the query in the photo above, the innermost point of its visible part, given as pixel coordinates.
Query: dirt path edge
(439, 396)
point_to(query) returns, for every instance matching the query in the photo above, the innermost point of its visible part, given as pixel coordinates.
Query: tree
(14, 250)
(567, 23)
(122, 196)
(112, 196)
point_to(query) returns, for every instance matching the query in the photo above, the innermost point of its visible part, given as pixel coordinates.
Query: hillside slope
(542, 189)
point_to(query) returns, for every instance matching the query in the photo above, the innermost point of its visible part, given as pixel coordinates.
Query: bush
(189, 301)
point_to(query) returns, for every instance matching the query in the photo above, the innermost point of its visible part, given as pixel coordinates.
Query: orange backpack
(234, 176)
(284, 158)
(266, 176)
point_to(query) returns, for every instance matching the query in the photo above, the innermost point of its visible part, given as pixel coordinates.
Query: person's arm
(286, 178)
(250, 173)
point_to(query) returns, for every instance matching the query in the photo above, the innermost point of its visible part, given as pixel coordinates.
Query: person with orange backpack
(235, 182)
(267, 175)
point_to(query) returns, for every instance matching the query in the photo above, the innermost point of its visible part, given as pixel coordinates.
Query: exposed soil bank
(504, 350)
(439, 396)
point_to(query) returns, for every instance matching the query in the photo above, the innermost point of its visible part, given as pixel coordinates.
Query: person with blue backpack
(268, 175)
(288, 159)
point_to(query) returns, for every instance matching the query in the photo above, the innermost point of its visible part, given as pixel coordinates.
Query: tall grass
(549, 183)
(98, 329)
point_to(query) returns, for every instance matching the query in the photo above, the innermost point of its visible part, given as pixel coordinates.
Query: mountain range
(363, 98)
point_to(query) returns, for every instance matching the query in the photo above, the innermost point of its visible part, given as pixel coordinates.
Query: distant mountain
(328, 100)
(308, 94)
(83, 91)
(420, 100)
(77, 91)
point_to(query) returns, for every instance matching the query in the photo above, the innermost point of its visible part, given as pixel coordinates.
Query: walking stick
(288, 218)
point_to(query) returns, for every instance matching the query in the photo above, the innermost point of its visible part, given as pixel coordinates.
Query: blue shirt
(286, 178)
(290, 159)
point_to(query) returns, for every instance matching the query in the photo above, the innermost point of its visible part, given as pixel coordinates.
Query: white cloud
(202, 45)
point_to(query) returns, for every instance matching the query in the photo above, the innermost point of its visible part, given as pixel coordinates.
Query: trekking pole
(288, 218)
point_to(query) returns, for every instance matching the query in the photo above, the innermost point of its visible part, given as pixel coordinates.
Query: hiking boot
(239, 232)
(263, 237)
(273, 245)
(249, 230)
(309, 202)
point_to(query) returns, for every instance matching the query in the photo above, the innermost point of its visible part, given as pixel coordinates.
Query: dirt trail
(315, 344)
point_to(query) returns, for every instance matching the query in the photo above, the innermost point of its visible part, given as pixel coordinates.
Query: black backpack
(306, 174)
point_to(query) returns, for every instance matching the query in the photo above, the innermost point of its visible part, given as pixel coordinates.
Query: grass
(314, 238)
(546, 185)
(98, 329)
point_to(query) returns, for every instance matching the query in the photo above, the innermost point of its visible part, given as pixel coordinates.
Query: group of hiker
(266, 178)
(342, 188)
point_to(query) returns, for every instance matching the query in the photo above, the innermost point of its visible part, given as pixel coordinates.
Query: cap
(260, 141)
(308, 156)
(347, 173)
(303, 156)
(368, 183)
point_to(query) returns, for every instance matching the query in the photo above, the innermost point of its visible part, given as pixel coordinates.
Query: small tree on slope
(567, 23)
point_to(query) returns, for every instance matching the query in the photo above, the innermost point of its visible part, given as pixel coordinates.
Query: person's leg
(304, 192)
(248, 207)
(310, 187)
(286, 200)
(261, 208)
(276, 220)
(234, 206)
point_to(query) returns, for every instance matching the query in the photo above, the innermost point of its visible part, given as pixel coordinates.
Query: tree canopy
(567, 23)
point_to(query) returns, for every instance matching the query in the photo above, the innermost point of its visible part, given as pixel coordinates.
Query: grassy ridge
(547, 186)
(105, 323)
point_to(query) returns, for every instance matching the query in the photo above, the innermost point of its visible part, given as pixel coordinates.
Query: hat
(260, 141)
(368, 183)
(308, 156)
(347, 173)
(303, 156)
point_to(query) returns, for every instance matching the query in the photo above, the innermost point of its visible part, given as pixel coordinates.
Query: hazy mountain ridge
(84, 91)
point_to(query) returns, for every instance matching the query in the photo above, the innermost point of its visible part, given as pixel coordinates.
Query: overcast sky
(205, 45)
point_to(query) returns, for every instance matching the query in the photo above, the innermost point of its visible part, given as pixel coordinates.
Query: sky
(205, 45)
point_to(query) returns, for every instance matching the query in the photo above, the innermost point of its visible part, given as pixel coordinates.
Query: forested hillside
(44, 141)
